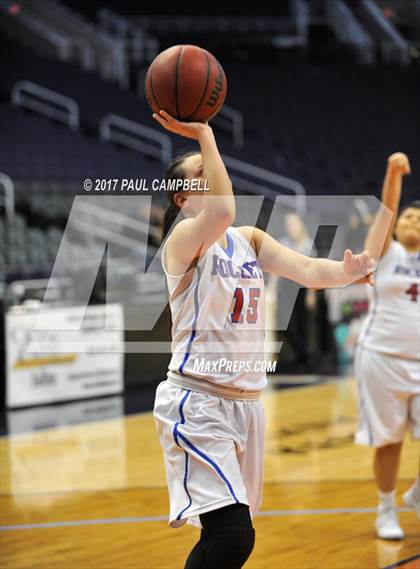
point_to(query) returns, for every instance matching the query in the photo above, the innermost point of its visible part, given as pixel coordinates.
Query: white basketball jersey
(393, 322)
(218, 322)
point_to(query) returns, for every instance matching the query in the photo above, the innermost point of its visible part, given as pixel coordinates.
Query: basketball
(209, 292)
(187, 82)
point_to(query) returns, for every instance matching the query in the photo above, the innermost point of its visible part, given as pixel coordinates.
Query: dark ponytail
(174, 171)
(171, 213)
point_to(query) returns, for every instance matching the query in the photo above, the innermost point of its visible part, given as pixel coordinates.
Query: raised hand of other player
(360, 267)
(399, 163)
(188, 129)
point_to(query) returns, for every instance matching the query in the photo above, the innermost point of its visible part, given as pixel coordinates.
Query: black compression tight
(226, 541)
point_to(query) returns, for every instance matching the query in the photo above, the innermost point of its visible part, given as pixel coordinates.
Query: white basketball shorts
(388, 398)
(213, 450)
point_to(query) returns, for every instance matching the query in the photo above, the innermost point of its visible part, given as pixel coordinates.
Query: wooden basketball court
(94, 495)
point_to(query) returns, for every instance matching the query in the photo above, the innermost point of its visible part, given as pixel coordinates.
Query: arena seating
(95, 97)
(35, 147)
(323, 127)
(329, 126)
(327, 129)
(28, 249)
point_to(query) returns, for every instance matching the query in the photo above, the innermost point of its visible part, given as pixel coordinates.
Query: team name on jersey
(225, 269)
(407, 272)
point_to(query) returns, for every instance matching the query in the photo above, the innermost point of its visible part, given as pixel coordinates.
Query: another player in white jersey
(387, 363)
(208, 412)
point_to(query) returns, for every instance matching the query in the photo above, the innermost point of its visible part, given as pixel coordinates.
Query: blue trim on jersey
(175, 434)
(230, 245)
(212, 463)
(179, 516)
(194, 324)
(181, 405)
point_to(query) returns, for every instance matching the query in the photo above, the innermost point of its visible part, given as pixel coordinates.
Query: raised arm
(380, 233)
(192, 236)
(308, 272)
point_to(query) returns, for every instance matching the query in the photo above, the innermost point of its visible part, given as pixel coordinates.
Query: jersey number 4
(413, 292)
(252, 310)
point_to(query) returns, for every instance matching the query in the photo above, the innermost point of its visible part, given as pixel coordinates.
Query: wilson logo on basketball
(215, 94)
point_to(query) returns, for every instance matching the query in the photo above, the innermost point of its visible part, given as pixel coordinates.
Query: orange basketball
(186, 81)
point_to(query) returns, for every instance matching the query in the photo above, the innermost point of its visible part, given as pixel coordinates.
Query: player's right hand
(398, 163)
(188, 129)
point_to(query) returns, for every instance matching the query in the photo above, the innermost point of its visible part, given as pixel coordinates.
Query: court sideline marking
(144, 519)
(405, 563)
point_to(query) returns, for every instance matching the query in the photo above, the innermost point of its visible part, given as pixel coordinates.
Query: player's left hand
(359, 268)
(399, 163)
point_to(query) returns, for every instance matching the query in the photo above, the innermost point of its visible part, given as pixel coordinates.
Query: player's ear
(179, 199)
